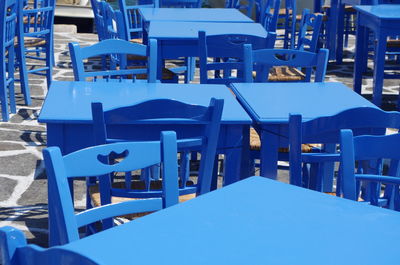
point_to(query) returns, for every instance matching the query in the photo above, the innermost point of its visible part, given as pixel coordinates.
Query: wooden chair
(227, 54)
(8, 16)
(94, 162)
(153, 116)
(116, 51)
(35, 42)
(269, 13)
(326, 131)
(262, 61)
(287, 22)
(98, 13)
(309, 22)
(371, 153)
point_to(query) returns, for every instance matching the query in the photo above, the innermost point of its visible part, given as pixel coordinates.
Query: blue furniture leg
(269, 154)
(332, 30)
(245, 161)
(379, 65)
(340, 33)
(233, 153)
(359, 56)
(328, 170)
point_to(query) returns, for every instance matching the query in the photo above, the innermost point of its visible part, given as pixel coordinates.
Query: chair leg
(4, 101)
(23, 72)
(10, 70)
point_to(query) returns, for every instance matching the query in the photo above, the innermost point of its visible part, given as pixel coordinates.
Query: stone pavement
(23, 186)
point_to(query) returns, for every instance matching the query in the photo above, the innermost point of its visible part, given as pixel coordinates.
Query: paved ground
(23, 195)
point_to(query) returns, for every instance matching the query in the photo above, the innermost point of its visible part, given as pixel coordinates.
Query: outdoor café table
(269, 105)
(383, 21)
(278, 224)
(68, 116)
(193, 14)
(179, 39)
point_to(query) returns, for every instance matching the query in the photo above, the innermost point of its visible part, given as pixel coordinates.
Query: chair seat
(95, 196)
(255, 144)
(393, 43)
(138, 40)
(282, 11)
(284, 73)
(31, 42)
(347, 8)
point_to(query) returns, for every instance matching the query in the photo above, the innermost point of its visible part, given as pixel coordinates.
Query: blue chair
(156, 115)
(313, 23)
(132, 18)
(281, 65)
(8, 16)
(369, 152)
(227, 53)
(94, 162)
(98, 13)
(326, 131)
(16, 251)
(35, 42)
(268, 14)
(117, 51)
(288, 15)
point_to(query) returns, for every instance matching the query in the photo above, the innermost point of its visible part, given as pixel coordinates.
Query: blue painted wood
(262, 60)
(171, 113)
(383, 21)
(98, 13)
(326, 130)
(289, 24)
(227, 54)
(309, 22)
(263, 102)
(8, 18)
(269, 19)
(71, 128)
(269, 231)
(371, 149)
(93, 161)
(193, 14)
(181, 3)
(117, 51)
(38, 26)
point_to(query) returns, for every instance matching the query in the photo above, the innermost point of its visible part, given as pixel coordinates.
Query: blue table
(67, 114)
(278, 224)
(194, 14)
(269, 105)
(383, 21)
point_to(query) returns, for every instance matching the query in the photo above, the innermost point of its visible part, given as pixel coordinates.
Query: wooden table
(269, 105)
(383, 21)
(278, 224)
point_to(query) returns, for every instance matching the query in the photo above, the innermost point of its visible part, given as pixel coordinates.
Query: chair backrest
(326, 130)
(38, 19)
(369, 154)
(8, 18)
(153, 116)
(266, 18)
(227, 53)
(113, 22)
(309, 22)
(117, 51)
(98, 12)
(16, 251)
(181, 3)
(94, 162)
(262, 60)
(132, 19)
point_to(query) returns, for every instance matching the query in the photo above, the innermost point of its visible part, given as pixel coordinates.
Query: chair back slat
(309, 22)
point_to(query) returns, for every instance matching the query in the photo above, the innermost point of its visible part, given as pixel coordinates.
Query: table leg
(245, 165)
(269, 154)
(361, 52)
(340, 33)
(379, 65)
(233, 154)
(332, 30)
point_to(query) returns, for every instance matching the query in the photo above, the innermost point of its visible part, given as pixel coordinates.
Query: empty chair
(227, 54)
(98, 13)
(363, 160)
(94, 162)
(35, 42)
(326, 131)
(269, 13)
(309, 22)
(143, 121)
(287, 22)
(8, 16)
(116, 52)
(265, 63)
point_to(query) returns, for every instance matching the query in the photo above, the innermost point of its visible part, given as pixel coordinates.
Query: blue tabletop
(189, 30)
(278, 224)
(272, 102)
(381, 11)
(194, 14)
(70, 102)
